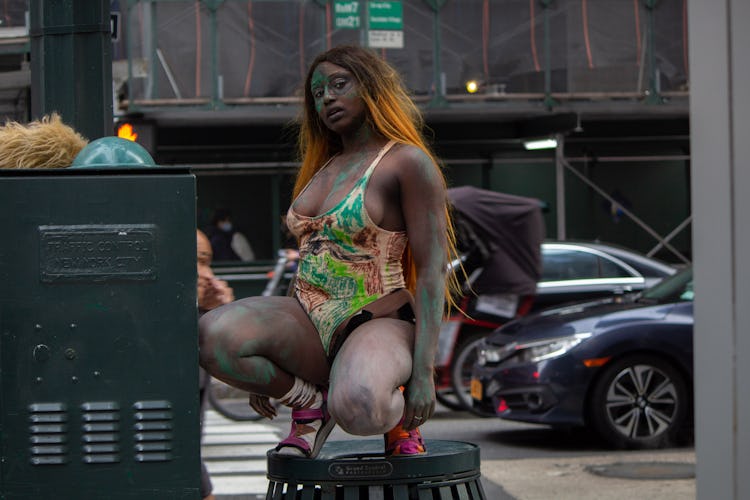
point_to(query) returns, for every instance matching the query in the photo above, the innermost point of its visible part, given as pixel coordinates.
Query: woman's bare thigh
(377, 355)
(274, 328)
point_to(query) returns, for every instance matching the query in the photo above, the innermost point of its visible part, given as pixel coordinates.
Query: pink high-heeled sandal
(303, 416)
(400, 442)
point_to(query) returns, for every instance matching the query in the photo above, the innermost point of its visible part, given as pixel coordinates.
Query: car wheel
(464, 357)
(447, 398)
(639, 402)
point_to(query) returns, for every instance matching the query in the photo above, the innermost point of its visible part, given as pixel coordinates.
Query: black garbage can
(358, 470)
(98, 336)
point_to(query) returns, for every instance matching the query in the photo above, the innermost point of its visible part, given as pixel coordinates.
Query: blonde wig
(45, 143)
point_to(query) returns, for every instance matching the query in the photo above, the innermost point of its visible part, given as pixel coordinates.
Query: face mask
(225, 226)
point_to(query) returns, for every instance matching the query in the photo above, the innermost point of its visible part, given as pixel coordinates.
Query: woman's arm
(423, 198)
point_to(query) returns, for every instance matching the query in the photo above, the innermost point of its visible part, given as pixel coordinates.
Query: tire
(464, 357)
(231, 402)
(447, 398)
(640, 402)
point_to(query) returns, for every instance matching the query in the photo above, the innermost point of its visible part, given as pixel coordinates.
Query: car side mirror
(620, 292)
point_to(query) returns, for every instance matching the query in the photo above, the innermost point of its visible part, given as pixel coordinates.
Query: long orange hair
(390, 112)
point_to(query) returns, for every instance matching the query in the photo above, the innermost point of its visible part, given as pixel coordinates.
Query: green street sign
(386, 16)
(385, 21)
(346, 14)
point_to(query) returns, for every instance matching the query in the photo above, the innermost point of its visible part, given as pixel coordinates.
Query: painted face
(335, 92)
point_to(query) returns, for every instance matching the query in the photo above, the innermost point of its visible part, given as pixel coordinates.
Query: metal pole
(366, 31)
(549, 102)
(129, 50)
(438, 98)
(653, 87)
(152, 89)
(71, 63)
(560, 186)
(671, 235)
(326, 10)
(216, 92)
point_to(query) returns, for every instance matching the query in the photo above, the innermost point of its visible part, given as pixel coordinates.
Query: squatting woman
(355, 343)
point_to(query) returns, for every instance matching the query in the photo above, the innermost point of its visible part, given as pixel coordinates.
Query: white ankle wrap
(301, 395)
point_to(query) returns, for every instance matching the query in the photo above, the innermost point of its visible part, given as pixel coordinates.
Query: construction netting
(261, 48)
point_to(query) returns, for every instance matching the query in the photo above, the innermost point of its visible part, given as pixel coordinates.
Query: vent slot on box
(153, 431)
(48, 433)
(101, 432)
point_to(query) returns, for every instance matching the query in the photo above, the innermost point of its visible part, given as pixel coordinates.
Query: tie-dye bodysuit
(345, 260)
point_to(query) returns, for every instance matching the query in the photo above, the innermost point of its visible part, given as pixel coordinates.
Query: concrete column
(720, 144)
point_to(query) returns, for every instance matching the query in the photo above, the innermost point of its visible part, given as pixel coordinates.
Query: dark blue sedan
(622, 366)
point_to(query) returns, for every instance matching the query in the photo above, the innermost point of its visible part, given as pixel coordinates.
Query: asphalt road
(525, 461)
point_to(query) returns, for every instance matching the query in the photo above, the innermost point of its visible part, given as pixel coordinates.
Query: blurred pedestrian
(212, 293)
(226, 241)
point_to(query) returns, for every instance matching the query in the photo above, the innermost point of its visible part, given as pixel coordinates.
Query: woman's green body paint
(338, 84)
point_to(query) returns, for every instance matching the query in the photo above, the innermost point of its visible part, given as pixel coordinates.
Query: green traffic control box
(98, 335)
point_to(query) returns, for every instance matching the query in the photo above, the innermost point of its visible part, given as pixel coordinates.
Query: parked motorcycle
(499, 240)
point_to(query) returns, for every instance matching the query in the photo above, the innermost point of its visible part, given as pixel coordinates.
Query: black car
(622, 366)
(571, 271)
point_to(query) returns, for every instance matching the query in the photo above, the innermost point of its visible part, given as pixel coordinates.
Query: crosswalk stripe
(240, 485)
(239, 439)
(239, 428)
(235, 455)
(235, 467)
(255, 451)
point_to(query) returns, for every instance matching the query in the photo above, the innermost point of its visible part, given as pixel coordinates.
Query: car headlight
(489, 354)
(534, 352)
(530, 352)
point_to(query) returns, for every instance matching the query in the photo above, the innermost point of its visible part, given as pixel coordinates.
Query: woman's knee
(220, 335)
(232, 331)
(361, 409)
(352, 409)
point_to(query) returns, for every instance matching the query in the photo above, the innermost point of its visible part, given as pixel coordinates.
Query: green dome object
(113, 152)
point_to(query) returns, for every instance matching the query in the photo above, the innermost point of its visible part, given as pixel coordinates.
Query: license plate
(476, 389)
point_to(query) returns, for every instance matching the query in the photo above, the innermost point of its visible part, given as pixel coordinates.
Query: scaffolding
(218, 53)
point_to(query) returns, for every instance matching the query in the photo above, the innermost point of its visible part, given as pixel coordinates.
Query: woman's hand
(262, 405)
(419, 396)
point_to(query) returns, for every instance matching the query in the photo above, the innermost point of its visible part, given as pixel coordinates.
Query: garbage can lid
(113, 152)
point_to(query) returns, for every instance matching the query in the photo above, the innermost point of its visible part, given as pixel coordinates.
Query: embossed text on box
(97, 253)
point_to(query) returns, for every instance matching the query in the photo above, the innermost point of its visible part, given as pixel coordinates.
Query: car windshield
(675, 288)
